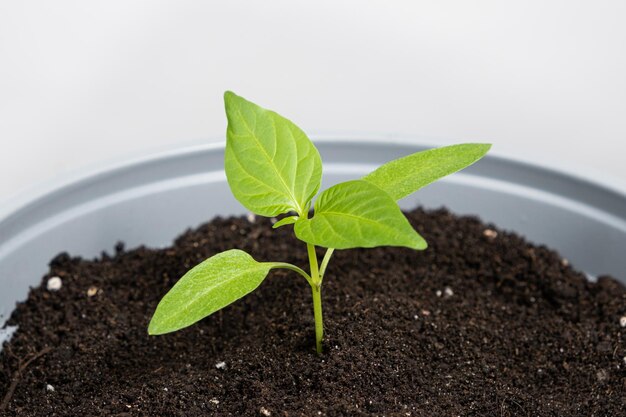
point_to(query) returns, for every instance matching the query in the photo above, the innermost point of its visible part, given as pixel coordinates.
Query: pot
(150, 201)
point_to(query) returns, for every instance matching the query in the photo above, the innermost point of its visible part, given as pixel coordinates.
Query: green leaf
(408, 174)
(271, 165)
(285, 221)
(357, 214)
(207, 288)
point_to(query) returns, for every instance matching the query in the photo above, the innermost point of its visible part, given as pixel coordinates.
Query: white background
(82, 83)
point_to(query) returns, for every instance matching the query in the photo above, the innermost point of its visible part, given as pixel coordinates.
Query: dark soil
(478, 325)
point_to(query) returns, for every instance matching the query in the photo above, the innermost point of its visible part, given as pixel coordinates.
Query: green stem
(315, 274)
(327, 256)
(317, 313)
(316, 289)
(293, 268)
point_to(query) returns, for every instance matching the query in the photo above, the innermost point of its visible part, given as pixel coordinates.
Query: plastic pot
(152, 200)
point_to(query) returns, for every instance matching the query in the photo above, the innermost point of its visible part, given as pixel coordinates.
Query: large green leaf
(207, 288)
(408, 174)
(271, 165)
(357, 214)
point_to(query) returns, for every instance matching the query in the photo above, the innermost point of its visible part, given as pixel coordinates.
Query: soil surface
(480, 324)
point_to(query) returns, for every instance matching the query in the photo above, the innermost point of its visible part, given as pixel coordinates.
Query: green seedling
(273, 169)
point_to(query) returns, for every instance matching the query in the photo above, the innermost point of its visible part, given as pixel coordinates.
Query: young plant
(273, 168)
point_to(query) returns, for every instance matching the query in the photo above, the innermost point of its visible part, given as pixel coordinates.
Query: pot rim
(42, 189)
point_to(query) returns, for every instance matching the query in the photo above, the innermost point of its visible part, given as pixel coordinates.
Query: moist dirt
(482, 323)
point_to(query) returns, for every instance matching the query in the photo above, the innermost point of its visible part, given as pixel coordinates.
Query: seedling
(273, 168)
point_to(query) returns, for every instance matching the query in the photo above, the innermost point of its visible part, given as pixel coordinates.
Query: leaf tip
(482, 148)
(486, 146)
(417, 242)
(421, 245)
(157, 327)
(231, 100)
(153, 328)
(229, 95)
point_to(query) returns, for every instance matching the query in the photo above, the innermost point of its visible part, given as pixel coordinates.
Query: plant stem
(316, 289)
(317, 313)
(293, 268)
(327, 256)
(315, 274)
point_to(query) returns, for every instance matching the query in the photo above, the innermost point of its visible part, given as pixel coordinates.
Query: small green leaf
(357, 214)
(207, 288)
(408, 174)
(271, 165)
(285, 221)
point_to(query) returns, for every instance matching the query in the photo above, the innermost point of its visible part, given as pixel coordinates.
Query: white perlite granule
(54, 284)
(490, 234)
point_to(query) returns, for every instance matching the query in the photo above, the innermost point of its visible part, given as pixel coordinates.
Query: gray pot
(152, 200)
